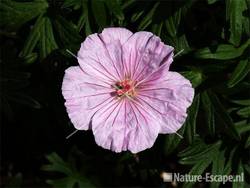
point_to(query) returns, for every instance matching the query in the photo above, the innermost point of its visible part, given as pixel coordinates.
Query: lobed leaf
(247, 144)
(47, 41)
(115, 8)
(222, 114)
(223, 52)
(209, 112)
(218, 167)
(73, 177)
(146, 21)
(242, 126)
(190, 124)
(33, 37)
(240, 170)
(14, 14)
(67, 32)
(240, 72)
(99, 12)
(172, 141)
(242, 102)
(244, 112)
(196, 147)
(235, 11)
(208, 152)
(195, 76)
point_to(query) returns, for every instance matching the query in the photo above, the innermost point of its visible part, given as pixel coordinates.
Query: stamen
(124, 88)
(71, 134)
(67, 50)
(179, 53)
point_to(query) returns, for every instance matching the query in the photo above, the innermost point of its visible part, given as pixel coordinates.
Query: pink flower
(123, 90)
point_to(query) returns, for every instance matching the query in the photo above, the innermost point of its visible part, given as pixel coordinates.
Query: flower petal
(113, 34)
(168, 97)
(124, 126)
(144, 52)
(84, 95)
(101, 54)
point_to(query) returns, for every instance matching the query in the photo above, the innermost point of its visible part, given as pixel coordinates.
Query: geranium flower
(123, 90)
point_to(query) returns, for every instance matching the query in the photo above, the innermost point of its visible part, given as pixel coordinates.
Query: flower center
(125, 88)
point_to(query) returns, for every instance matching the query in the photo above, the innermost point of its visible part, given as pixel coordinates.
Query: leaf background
(214, 37)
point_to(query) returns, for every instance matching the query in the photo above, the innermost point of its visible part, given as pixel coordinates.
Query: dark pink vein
(151, 106)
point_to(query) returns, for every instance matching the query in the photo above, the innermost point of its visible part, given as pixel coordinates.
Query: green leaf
(47, 40)
(67, 182)
(157, 29)
(69, 3)
(14, 14)
(84, 19)
(190, 124)
(84, 16)
(172, 141)
(202, 160)
(99, 12)
(207, 152)
(247, 168)
(223, 89)
(137, 15)
(31, 58)
(242, 102)
(33, 37)
(70, 182)
(239, 73)
(222, 114)
(198, 169)
(195, 76)
(115, 8)
(67, 32)
(41, 34)
(172, 26)
(172, 23)
(196, 147)
(240, 171)
(218, 167)
(57, 164)
(211, 1)
(209, 112)
(228, 166)
(242, 126)
(223, 52)
(128, 3)
(235, 10)
(247, 144)
(244, 112)
(147, 20)
(246, 20)
(73, 177)
(179, 43)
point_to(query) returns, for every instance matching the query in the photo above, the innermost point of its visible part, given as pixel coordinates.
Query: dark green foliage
(73, 177)
(14, 14)
(240, 72)
(190, 124)
(223, 52)
(212, 38)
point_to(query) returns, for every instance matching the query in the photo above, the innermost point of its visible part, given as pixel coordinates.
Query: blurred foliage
(213, 36)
